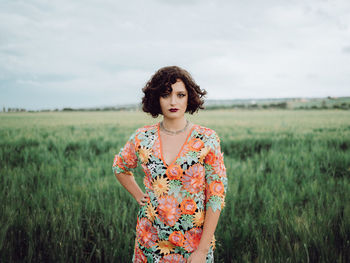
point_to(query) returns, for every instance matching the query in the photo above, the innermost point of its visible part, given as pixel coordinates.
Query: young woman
(184, 174)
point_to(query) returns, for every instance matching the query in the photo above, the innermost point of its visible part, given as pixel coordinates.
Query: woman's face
(176, 99)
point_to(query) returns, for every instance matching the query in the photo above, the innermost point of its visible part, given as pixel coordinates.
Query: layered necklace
(173, 132)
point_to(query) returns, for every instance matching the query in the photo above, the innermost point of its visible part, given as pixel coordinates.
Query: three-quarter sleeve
(126, 160)
(215, 174)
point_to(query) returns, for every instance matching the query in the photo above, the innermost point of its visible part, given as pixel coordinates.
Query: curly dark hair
(160, 83)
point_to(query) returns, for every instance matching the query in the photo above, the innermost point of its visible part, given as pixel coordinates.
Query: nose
(173, 100)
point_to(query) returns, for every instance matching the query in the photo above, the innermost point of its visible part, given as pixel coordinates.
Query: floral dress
(169, 226)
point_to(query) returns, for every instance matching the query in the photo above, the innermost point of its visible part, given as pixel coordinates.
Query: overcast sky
(56, 54)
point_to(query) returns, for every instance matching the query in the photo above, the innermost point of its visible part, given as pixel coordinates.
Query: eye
(164, 95)
(182, 95)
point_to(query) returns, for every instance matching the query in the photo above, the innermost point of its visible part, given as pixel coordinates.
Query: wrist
(203, 249)
(138, 196)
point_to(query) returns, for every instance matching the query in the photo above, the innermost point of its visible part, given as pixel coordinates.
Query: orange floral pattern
(168, 210)
(205, 131)
(174, 172)
(139, 257)
(137, 142)
(126, 159)
(173, 258)
(198, 218)
(216, 188)
(188, 206)
(144, 154)
(218, 165)
(146, 233)
(156, 150)
(169, 226)
(195, 144)
(177, 238)
(210, 158)
(150, 212)
(203, 153)
(118, 162)
(193, 179)
(147, 179)
(192, 238)
(160, 185)
(165, 246)
(129, 155)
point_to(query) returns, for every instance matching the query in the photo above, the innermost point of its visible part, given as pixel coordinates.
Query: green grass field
(288, 196)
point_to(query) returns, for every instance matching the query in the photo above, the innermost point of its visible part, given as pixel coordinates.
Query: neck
(174, 124)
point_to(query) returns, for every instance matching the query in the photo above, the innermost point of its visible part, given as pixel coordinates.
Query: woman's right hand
(143, 199)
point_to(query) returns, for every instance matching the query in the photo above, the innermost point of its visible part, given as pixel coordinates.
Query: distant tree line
(324, 106)
(277, 105)
(13, 109)
(281, 105)
(121, 108)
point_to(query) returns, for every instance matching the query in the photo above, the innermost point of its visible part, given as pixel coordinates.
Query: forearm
(210, 222)
(129, 183)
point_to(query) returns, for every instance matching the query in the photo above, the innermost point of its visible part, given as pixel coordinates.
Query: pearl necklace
(173, 132)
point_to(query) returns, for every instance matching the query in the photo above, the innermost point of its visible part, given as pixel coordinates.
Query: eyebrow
(181, 91)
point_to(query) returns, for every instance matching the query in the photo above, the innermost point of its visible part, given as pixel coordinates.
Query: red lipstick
(174, 110)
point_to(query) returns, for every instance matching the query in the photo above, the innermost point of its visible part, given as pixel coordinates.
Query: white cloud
(107, 50)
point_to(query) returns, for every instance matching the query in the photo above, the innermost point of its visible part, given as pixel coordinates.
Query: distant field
(288, 194)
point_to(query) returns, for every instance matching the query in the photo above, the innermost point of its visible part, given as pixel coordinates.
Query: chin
(178, 115)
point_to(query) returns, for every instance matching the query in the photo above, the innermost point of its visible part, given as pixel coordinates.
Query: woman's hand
(143, 199)
(198, 256)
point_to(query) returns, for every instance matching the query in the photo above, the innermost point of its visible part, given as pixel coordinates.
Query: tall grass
(288, 197)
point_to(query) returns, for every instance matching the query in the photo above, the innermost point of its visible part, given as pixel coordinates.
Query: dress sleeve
(126, 160)
(215, 174)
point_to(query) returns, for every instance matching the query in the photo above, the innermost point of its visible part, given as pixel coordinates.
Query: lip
(173, 110)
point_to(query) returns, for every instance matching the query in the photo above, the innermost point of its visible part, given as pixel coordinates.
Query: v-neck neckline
(160, 145)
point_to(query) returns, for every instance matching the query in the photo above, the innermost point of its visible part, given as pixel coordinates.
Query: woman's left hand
(198, 256)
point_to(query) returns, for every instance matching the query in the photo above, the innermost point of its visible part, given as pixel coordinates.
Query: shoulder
(146, 128)
(205, 131)
(142, 133)
(209, 136)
